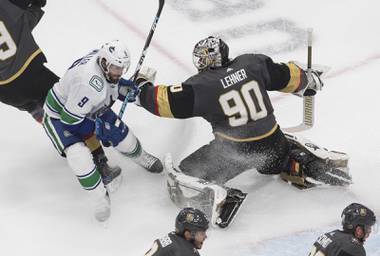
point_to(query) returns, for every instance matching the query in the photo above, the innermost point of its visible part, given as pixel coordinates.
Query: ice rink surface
(45, 212)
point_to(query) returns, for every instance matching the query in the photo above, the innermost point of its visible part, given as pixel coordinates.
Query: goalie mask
(114, 60)
(210, 52)
(358, 215)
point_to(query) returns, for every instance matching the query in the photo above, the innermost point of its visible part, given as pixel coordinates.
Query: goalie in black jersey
(231, 94)
(357, 222)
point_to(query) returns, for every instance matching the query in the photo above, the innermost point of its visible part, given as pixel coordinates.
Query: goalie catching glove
(314, 82)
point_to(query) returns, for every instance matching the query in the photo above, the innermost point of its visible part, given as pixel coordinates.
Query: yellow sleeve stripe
(295, 78)
(22, 69)
(162, 101)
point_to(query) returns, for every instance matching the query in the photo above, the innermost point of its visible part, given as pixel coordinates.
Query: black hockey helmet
(357, 215)
(210, 52)
(190, 219)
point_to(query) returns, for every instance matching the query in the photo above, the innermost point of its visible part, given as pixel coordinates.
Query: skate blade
(234, 213)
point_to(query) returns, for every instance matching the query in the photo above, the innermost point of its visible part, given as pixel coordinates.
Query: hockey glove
(315, 83)
(106, 130)
(128, 89)
(146, 75)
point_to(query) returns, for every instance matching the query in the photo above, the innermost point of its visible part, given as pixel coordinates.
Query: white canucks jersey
(81, 92)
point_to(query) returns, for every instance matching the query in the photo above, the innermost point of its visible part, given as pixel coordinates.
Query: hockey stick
(308, 101)
(143, 54)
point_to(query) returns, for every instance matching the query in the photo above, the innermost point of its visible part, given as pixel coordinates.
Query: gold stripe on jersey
(227, 137)
(162, 101)
(295, 78)
(22, 69)
(92, 143)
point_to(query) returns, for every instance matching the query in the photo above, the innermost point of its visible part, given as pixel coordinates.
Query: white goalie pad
(188, 191)
(332, 158)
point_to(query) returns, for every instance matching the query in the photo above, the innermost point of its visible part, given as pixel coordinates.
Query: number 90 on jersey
(243, 105)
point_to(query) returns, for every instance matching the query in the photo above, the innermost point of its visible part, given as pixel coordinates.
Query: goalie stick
(142, 57)
(308, 100)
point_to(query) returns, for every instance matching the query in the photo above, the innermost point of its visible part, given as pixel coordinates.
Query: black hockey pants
(222, 160)
(29, 90)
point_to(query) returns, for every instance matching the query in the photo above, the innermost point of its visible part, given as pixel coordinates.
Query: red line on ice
(143, 36)
(186, 68)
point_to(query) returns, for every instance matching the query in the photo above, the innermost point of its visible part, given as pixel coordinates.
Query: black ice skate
(233, 202)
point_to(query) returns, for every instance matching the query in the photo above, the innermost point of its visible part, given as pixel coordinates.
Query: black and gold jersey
(233, 98)
(172, 245)
(337, 243)
(17, 45)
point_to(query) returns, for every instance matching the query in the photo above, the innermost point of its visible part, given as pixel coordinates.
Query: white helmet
(210, 52)
(114, 60)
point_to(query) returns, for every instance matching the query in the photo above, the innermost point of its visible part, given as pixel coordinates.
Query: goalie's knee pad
(187, 191)
(80, 161)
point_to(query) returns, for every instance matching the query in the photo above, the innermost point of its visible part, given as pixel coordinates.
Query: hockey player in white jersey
(78, 105)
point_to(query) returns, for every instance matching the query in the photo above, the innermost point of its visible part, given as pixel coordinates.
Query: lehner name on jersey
(234, 78)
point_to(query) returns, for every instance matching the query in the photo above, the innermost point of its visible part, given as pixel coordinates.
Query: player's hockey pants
(222, 160)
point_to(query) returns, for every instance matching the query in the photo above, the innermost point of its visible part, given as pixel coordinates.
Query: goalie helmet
(114, 60)
(192, 220)
(357, 215)
(210, 52)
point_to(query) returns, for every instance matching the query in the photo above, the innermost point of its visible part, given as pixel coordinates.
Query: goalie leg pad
(331, 157)
(219, 203)
(310, 165)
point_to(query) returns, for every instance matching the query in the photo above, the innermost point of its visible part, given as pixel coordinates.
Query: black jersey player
(24, 79)
(231, 94)
(357, 222)
(189, 235)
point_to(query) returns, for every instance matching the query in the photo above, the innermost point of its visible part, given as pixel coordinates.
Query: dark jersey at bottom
(172, 245)
(337, 243)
